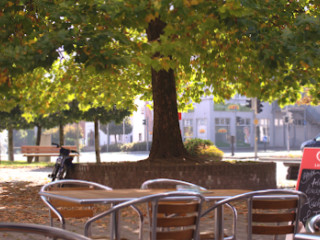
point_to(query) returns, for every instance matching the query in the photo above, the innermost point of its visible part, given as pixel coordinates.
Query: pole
(108, 137)
(146, 127)
(77, 141)
(254, 106)
(123, 131)
(147, 138)
(232, 145)
(287, 129)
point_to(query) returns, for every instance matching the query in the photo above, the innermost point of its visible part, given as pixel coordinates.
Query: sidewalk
(134, 156)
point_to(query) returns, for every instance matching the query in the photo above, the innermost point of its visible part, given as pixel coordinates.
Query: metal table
(116, 196)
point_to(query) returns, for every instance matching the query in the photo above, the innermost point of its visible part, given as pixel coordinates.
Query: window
(278, 122)
(243, 132)
(187, 128)
(263, 130)
(298, 122)
(222, 132)
(140, 137)
(202, 128)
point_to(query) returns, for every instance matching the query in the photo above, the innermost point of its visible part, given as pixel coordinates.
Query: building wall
(218, 123)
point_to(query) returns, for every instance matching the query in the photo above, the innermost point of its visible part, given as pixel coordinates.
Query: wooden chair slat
(272, 230)
(178, 208)
(275, 204)
(74, 213)
(269, 217)
(61, 203)
(186, 234)
(176, 221)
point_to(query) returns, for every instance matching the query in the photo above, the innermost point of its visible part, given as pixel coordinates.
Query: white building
(223, 122)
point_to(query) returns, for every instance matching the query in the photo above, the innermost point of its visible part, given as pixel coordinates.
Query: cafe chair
(59, 209)
(183, 185)
(174, 215)
(166, 182)
(28, 230)
(270, 212)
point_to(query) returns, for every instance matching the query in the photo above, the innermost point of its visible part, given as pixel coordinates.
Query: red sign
(179, 115)
(310, 160)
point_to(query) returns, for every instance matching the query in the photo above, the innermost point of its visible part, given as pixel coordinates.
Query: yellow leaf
(150, 17)
(10, 4)
(305, 65)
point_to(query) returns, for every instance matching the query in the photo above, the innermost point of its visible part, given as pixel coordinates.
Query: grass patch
(13, 164)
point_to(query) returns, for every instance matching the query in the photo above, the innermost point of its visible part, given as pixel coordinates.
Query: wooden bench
(44, 151)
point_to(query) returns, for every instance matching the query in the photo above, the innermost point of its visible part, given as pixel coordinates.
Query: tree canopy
(169, 50)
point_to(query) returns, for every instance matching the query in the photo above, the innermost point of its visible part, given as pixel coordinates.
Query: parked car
(315, 142)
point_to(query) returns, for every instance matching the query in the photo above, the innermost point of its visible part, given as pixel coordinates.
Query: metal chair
(270, 212)
(161, 182)
(153, 183)
(41, 230)
(62, 209)
(175, 215)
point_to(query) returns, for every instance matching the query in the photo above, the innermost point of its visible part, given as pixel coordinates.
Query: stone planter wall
(221, 175)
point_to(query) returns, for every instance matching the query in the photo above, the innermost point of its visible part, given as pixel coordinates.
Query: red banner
(310, 160)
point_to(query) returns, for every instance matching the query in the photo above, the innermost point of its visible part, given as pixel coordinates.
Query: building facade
(232, 121)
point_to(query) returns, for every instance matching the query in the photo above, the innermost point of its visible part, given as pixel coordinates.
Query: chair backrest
(271, 211)
(40, 230)
(276, 216)
(63, 209)
(175, 215)
(154, 183)
(179, 185)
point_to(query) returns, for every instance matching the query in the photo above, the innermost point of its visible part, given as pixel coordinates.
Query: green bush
(111, 148)
(136, 146)
(203, 148)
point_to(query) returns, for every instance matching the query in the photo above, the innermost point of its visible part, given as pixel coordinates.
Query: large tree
(177, 50)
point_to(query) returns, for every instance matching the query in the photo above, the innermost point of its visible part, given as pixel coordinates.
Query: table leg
(115, 218)
(219, 235)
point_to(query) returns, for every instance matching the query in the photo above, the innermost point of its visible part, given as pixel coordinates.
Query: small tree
(115, 129)
(10, 121)
(102, 115)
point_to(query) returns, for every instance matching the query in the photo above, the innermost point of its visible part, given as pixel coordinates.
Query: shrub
(111, 148)
(136, 146)
(203, 148)
(193, 144)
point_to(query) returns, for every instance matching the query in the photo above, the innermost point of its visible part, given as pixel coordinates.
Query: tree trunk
(10, 145)
(166, 138)
(97, 141)
(115, 139)
(39, 132)
(61, 134)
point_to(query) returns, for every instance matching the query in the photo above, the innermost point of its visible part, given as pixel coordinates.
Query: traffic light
(144, 122)
(249, 103)
(259, 106)
(286, 119)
